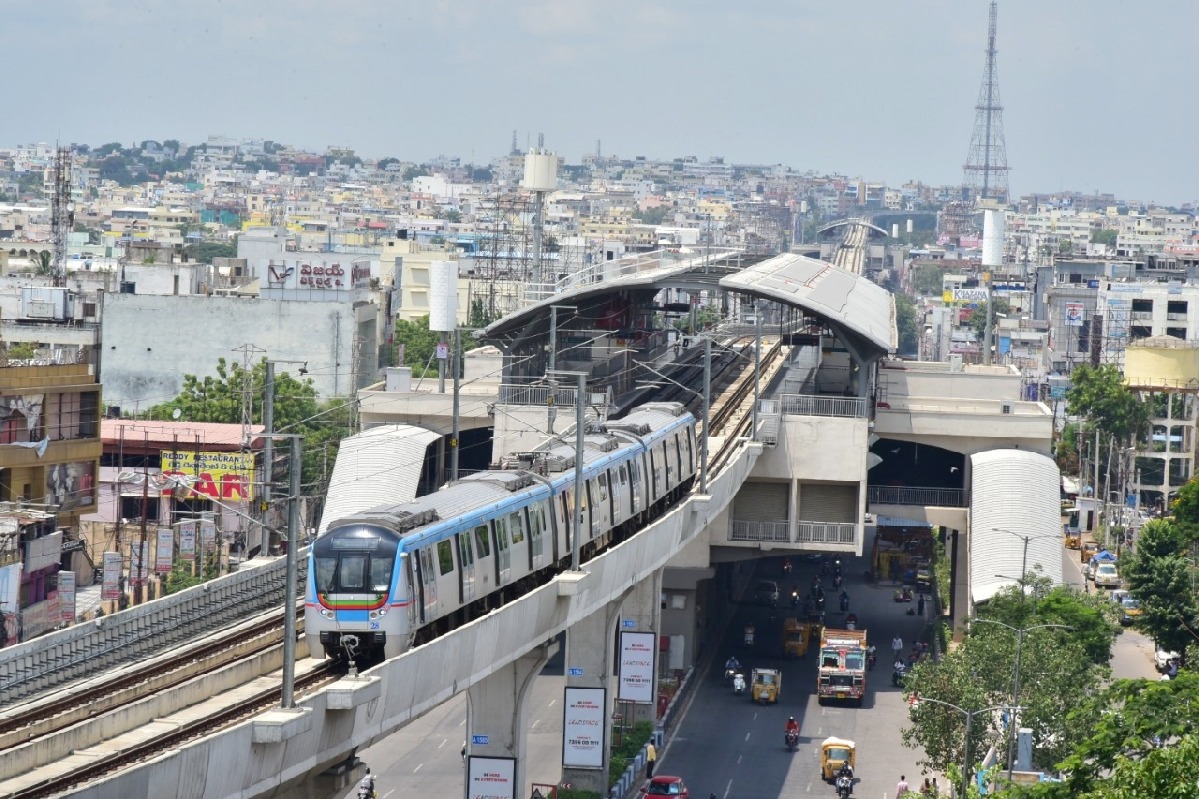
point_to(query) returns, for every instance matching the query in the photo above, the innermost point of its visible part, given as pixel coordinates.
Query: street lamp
(1024, 560)
(970, 714)
(1019, 631)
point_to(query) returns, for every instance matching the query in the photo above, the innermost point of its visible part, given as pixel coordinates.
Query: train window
(381, 572)
(501, 534)
(603, 486)
(687, 444)
(465, 556)
(622, 475)
(482, 545)
(351, 572)
(515, 528)
(535, 519)
(445, 557)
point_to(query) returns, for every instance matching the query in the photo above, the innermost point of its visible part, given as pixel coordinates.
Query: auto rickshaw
(1073, 537)
(796, 635)
(834, 753)
(766, 686)
(1087, 551)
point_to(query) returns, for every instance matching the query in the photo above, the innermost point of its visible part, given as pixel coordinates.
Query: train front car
(355, 606)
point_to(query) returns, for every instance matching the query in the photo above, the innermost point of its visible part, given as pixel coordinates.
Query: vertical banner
(583, 723)
(112, 576)
(66, 596)
(491, 778)
(164, 553)
(207, 534)
(1074, 314)
(187, 540)
(139, 567)
(636, 667)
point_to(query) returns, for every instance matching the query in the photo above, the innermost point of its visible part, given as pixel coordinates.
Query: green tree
(907, 324)
(977, 321)
(1159, 575)
(1186, 507)
(655, 216)
(415, 172)
(204, 251)
(452, 215)
(1093, 618)
(41, 261)
(927, 280)
(1104, 236)
(1098, 393)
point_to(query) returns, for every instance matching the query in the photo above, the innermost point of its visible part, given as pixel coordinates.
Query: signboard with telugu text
(225, 476)
(583, 728)
(111, 588)
(187, 540)
(66, 596)
(491, 778)
(636, 667)
(164, 553)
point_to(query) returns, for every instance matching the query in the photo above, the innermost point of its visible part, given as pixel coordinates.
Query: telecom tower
(986, 165)
(62, 219)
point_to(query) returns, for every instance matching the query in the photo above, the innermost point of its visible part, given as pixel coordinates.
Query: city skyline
(884, 91)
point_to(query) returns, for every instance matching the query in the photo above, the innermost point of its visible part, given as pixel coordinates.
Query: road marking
(533, 726)
(747, 736)
(389, 793)
(739, 759)
(553, 702)
(728, 788)
(418, 765)
(441, 744)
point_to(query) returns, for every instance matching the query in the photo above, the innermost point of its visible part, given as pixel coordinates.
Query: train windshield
(354, 562)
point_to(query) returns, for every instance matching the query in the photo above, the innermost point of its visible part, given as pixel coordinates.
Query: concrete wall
(828, 449)
(151, 342)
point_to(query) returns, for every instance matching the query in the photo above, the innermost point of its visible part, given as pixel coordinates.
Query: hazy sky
(1097, 94)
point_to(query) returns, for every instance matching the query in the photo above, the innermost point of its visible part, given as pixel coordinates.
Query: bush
(576, 793)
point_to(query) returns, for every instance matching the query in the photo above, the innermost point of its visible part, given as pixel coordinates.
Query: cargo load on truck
(842, 666)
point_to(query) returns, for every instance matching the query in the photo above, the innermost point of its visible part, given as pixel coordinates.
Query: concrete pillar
(589, 657)
(793, 511)
(642, 612)
(497, 708)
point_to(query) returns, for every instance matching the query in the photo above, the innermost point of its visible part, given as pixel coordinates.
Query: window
(603, 486)
(515, 528)
(1177, 332)
(535, 528)
(426, 567)
(465, 556)
(445, 557)
(482, 545)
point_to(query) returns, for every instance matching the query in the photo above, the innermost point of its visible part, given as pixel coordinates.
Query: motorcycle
(366, 792)
(787, 566)
(730, 674)
(898, 674)
(837, 580)
(844, 602)
(791, 738)
(844, 785)
(794, 597)
(739, 684)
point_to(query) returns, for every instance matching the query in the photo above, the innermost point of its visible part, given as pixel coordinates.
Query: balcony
(778, 532)
(819, 405)
(916, 495)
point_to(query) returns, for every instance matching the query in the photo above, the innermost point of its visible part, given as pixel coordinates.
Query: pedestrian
(901, 787)
(897, 647)
(651, 757)
(927, 788)
(920, 606)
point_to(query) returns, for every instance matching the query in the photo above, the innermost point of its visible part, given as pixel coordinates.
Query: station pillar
(587, 728)
(497, 712)
(642, 612)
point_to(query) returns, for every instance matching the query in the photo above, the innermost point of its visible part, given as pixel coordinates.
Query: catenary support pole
(456, 362)
(289, 596)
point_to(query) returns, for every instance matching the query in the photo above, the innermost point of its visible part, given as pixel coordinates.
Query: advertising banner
(139, 562)
(164, 554)
(207, 534)
(111, 588)
(491, 778)
(636, 667)
(187, 540)
(1074, 314)
(70, 485)
(66, 596)
(225, 476)
(970, 295)
(10, 600)
(583, 728)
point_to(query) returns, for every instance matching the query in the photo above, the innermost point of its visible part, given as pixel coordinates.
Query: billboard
(583, 728)
(164, 553)
(1074, 314)
(636, 667)
(66, 596)
(491, 778)
(112, 576)
(70, 485)
(969, 295)
(187, 540)
(225, 476)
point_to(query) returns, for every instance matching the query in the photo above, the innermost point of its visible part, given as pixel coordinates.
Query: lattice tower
(986, 170)
(62, 219)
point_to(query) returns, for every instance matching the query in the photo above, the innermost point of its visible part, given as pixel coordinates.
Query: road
(726, 745)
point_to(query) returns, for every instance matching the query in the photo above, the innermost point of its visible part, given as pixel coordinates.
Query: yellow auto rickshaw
(766, 685)
(796, 635)
(1087, 551)
(834, 753)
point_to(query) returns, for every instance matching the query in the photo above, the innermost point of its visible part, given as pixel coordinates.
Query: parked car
(662, 785)
(767, 593)
(1106, 575)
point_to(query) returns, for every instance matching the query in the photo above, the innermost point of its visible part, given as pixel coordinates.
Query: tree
(977, 321)
(1104, 236)
(205, 251)
(452, 215)
(907, 324)
(1093, 618)
(420, 343)
(1159, 575)
(415, 172)
(1098, 393)
(927, 279)
(1186, 507)
(655, 216)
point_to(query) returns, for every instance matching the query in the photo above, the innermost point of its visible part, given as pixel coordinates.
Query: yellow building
(1164, 371)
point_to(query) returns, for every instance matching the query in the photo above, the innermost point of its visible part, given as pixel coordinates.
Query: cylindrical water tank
(909, 227)
(443, 296)
(803, 206)
(993, 223)
(541, 171)
(894, 230)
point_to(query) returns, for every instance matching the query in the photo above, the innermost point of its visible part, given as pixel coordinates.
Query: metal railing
(916, 495)
(768, 422)
(744, 530)
(817, 405)
(516, 394)
(807, 532)
(826, 533)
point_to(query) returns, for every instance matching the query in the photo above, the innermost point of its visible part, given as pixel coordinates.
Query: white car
(1106, 575)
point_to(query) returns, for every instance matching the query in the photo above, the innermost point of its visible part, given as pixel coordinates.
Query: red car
(665, 786)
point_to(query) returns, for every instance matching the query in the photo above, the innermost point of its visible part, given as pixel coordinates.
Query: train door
(482, 542)
(466, 568)
(519, 541)
(428, 582)
(566, 527)
(655, 467)
(536, 535)
(620, 494)
(601, 513)
(503, 551)
(636, 470)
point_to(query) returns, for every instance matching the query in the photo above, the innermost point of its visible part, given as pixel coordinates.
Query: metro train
(398, 575)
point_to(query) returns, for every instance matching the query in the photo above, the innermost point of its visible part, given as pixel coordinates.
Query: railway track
(42, 734)
(729, 419)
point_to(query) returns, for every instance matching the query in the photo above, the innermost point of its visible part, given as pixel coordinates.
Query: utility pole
(551, 404)
(268, 451)
(455, 434)
(139, 585)
(757, 365)
(703, 452)
(289, 597)
(580, 425)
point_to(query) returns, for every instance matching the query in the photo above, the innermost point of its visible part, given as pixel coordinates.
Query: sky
(1096, 93)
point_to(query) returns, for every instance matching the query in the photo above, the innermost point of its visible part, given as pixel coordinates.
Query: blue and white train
(398, 575)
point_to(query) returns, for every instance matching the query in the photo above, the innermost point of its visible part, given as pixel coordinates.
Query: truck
(841, 674)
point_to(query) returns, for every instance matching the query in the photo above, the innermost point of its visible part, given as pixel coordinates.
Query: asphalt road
(726, 745)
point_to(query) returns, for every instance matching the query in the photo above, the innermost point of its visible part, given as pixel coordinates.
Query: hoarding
(636, 667)
(970, 295)
(207, 534)
(66, 596)
(111, 588)
(70, 485)
(139, 562)
(216, 475)
(187, 540)
(491, 778)
(583, 728)
(164, 554)
(1074, 314)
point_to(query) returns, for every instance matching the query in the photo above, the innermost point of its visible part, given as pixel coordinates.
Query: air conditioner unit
(1005, 407)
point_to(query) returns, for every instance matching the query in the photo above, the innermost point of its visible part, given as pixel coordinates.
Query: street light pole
(703, 451)
(1011, 740)
(455, 431)
(969, 714)
(289, 596)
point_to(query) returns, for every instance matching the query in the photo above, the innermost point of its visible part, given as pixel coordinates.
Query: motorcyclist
(739, 682)
(843, 779)
(792, 726)
(366, 787)
(731, 665)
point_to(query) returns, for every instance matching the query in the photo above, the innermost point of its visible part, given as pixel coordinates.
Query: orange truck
(842, 666)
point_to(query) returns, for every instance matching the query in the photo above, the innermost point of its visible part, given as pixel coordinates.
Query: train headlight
(383, 612)
(374, 614)
(325, 612)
